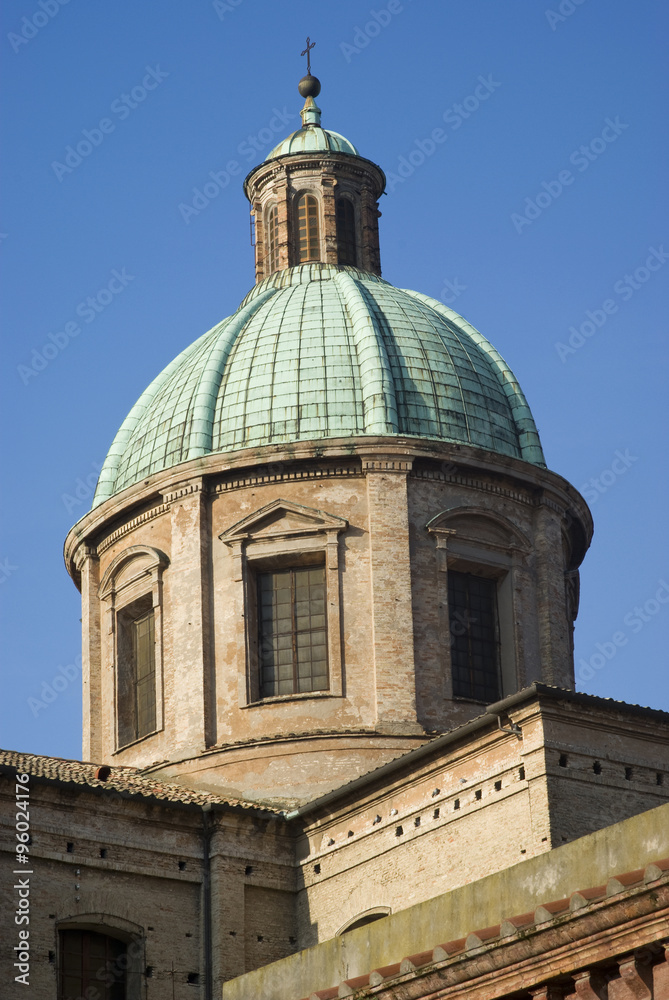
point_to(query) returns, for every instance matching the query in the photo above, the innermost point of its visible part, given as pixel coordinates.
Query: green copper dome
(316, 352)
(313, 139)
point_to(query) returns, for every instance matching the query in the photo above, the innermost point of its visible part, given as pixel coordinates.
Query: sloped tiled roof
(124, 780)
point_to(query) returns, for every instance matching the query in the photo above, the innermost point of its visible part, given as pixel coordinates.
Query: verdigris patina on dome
(313, 140)
(315, 352)
(312, 137)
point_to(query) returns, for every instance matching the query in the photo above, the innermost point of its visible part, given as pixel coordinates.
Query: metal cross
(307, 53)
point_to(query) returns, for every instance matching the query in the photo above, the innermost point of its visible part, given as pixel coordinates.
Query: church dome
(313, 139)
(317, 351)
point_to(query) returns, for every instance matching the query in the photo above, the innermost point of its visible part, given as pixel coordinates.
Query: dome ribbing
(313, 139)
(317, 352)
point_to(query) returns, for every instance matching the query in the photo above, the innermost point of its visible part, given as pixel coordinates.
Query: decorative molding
(398, 465)
(290, 532)
(130, 526)
(179, 490)
(259, 478)
(474, 484)
(529, 499)
(304, 521)
(157, 561)
(84, 552)
(501, 534)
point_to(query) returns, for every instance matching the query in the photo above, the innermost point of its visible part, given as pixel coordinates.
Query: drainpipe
(207, 830)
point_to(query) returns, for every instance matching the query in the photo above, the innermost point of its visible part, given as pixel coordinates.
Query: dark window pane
(292, 634)
(346, 243)
(91, 965)
(136, 699)
(472, 605)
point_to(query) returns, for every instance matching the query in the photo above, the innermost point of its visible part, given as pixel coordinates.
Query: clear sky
(537, 209)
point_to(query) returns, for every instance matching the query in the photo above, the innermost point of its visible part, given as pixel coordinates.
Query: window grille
(273, 240)
(292, 631)
(474, 637)
(308, 228)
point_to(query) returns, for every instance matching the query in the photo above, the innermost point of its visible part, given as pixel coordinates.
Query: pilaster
(87, 563)
(190, 684)
(554, 638)
(369, 214)
(392, 607)
(329, 252)
(445, 678)
(260, 240)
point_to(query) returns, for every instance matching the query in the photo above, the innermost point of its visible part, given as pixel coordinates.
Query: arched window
(273, 240)
(308, 240)
(136, 670)
(92, 964)
(362, 919)
(131, 592)
(346, 243)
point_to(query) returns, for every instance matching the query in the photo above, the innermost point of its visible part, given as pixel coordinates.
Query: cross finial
(306, 52)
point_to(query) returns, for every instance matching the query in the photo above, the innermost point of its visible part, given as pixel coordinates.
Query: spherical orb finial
(309, 86)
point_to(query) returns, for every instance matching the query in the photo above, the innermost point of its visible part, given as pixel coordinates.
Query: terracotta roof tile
(656, 870)
(620, 882)
(547, 911)
(385, 972)
(444, 951)
(126, 781)
(477, 938)
(511, 925)
(582, 897)
(543, 914)
(412, 962)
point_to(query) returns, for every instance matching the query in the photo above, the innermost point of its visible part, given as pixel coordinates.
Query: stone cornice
(318, 160)
(133, 523)
(468, 466)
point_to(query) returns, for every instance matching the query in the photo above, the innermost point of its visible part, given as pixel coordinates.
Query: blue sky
(537, 209)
